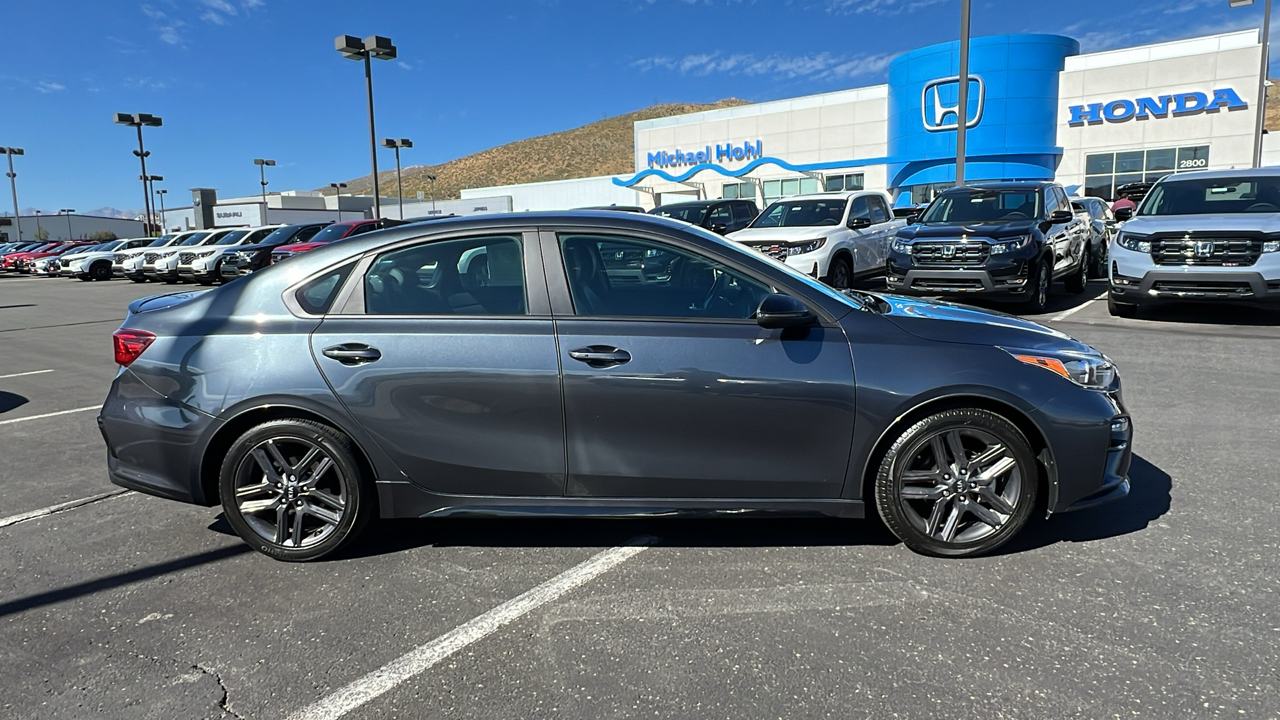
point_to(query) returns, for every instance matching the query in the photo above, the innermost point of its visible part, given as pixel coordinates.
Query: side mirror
(859, 223)
(783, 311)
(1124, 214)
(913, 219)
(1057, 217)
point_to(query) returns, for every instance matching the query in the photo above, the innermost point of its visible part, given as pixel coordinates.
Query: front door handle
(600, 356)
(353, 353)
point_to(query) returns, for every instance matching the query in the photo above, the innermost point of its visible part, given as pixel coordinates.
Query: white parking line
(46, 415)
(33, 372)
(15, 519)
(423, 657)
(1073, 311)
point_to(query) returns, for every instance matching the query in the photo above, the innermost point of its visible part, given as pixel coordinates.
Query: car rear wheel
(1039, 288)
(293, 489)
(1121, 309)
(100, 271)
(1098, 264)
(958, 483)
(1076, 281)
(840, 274)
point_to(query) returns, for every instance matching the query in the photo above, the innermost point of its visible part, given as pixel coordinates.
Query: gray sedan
(599, 363)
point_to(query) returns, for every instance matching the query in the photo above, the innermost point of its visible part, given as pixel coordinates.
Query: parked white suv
(163, 264)
(838, 237)
(128, 263)
(1203, 236)
(204, 264)
(95, 263)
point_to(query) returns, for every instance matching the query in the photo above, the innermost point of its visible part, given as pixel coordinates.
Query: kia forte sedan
(599, 363)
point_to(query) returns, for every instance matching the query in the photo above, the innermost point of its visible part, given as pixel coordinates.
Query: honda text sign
(1144, 108)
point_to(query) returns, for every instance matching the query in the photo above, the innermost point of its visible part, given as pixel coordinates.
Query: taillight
(130, 344)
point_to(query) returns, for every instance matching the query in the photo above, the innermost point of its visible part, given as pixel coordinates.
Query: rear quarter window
(317, 295)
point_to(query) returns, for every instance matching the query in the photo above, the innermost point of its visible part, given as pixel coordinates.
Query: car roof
(1220, 174)
(1008, 185)
(685, 204)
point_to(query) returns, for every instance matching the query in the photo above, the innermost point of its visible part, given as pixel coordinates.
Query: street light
(163, 221)
(13, 184)
(138, 120)
(374, 46)
(262, 171)
(396, 145)
(67, 212)
(149, 181)
(337, 188)
(1262, 76)
(432, 178)
(38, 225)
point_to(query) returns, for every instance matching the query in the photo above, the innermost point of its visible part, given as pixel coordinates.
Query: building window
(777, 189)
(1104, 172)
(735, 191)
(837, 183)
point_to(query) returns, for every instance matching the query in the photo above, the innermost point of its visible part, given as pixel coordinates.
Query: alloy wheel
(290, 492)
(960, 485)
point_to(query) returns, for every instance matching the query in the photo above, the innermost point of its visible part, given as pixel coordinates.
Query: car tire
(100, 271)
(1075, 282)
(840, 274)
(1121, 309)
(85, 278)
(1040, 278)
(1098, 261)
(138, 279)
(977, 497)
(294, 489)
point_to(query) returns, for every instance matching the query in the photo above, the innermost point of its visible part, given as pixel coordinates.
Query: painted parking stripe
(15, 519)
(1074, 310)
(23, 374)
(48, 415)
(423, 657)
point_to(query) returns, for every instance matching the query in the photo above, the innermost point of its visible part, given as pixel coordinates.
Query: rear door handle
(600, 356)
(353, 353)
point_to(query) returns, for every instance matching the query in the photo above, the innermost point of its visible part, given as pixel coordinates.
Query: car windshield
(280, 236)
(802, 213)
(688, 213)
(232, 238)
(160, 241)
(331, 233)
(1213, 195)
(983, 205)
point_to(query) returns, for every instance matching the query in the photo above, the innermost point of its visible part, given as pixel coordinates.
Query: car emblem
(939, 115)
(948, 251)
(1204, 249)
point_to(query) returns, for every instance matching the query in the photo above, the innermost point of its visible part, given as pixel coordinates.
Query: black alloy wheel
(1038, 283)
(1078, 279)
(840, 274)
(100, 270)
(958, 483)
(294, 490)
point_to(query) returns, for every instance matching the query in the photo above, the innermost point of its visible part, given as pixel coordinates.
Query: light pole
(337, 188)
(67, 212)
(962, 109)
(432, 178)
(163, 221)
(396, 145)
(13, 185)
(374, 46)
(262, 171)
(138, 120)
(149, 181)
(37, 224)
(1262, 76)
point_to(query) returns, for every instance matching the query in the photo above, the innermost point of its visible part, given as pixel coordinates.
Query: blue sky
(239, 79)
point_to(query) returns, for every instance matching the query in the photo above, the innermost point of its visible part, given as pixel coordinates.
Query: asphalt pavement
(1163, 605)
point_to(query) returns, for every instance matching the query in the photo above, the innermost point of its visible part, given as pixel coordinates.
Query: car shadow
(9, 401)
(1212, 314)
(1149, 498)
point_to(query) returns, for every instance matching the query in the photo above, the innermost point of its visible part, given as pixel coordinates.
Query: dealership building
(1038, 109)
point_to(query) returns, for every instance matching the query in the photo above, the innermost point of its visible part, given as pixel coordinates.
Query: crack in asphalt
(60, 508)
(224, 703)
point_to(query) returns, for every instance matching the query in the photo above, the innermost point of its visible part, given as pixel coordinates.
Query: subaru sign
(1145, 108)
(941, 113)
(723, 153)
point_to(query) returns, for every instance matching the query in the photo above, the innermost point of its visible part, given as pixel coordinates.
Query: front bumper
(1136, 278)
(1115, 474)
(1004, 274)
(197, 272)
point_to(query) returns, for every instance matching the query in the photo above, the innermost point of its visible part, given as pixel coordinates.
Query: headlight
(206, 253)
(1087, 371)
(901, 246)
(1008, 246)
(1271, 246)
(1136, 243)
(806, 247)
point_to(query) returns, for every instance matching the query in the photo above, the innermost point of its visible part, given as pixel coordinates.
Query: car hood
(1184, 224)
(784, 234)
(964, 324)
(299, 247)
(955, 230)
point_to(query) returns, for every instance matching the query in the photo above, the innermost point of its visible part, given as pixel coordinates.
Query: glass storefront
(1104, 172)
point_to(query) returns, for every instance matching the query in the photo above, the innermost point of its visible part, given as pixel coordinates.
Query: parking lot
(116, 604)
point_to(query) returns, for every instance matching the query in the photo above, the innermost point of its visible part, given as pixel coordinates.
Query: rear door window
(465, 276)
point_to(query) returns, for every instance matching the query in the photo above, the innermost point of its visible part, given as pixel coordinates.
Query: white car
(95, 263)
(162, 264)
(204, 264)
(128, 263)
(838, 237)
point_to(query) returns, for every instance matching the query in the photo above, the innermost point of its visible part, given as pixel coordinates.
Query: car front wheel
(1038, 287)
(958, 483)
(1121, 309)
(293, 489)
(840, 275)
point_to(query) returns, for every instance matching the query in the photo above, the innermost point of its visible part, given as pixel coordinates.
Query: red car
(22, 261)
(332, 233)
(14, 261)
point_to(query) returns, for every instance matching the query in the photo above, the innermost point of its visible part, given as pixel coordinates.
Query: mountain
(605, 147)
(110, 212)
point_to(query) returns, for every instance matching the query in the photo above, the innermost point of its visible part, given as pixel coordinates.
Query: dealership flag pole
(962, 108)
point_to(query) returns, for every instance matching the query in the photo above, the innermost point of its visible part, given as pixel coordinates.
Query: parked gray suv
(1204, 236)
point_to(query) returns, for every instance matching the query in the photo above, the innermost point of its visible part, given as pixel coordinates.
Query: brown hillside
(606, 147)
(1272, 116)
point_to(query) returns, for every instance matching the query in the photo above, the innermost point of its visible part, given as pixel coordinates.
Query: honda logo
(1204, 249)
(948, 251)
(939, 113)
